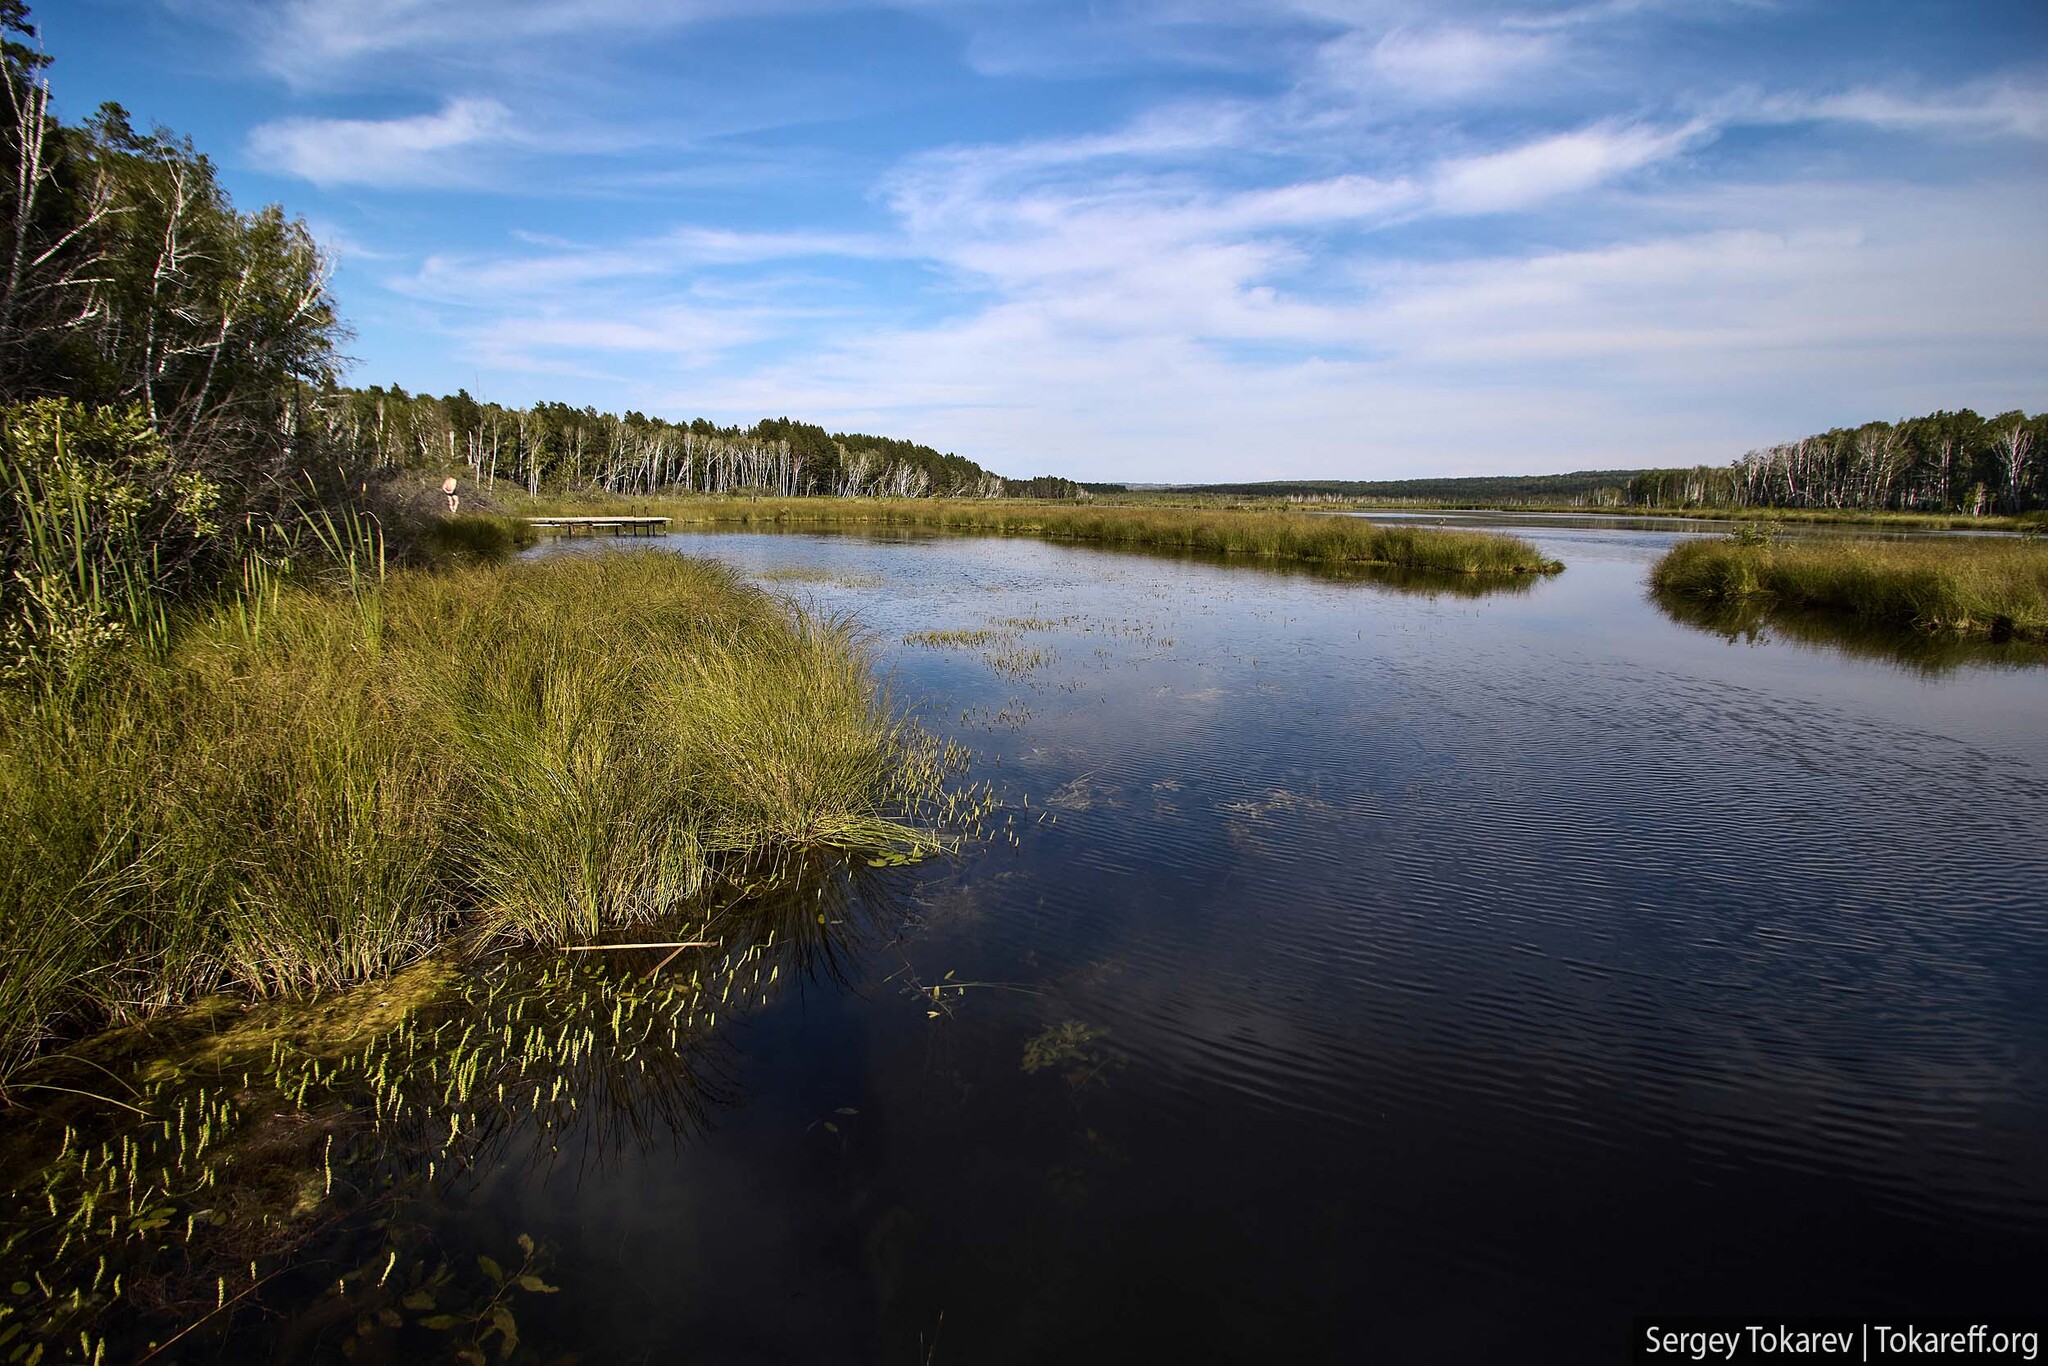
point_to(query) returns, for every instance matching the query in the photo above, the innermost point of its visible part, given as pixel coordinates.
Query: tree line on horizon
(560, 448)
(1945, 462)
(1580, 488)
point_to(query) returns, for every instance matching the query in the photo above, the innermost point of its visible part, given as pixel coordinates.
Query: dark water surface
(1375, 975)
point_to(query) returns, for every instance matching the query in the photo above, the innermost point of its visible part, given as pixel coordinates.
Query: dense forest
(1954, 462)
(552, 446)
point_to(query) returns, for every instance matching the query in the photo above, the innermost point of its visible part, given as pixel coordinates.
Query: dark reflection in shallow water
(1924, 652)
(1358, 975)
(325, 1165)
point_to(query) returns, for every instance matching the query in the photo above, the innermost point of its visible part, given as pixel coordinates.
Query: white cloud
(1524, 176)
(325, 42)
(1437, 64)
(2002, 110)
(1754, 311)
(414, 150)
(683, 336)
(564, 272)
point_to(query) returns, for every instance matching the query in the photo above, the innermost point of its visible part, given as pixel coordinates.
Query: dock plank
(618, 526)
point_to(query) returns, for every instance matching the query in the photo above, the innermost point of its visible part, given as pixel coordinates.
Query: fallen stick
(672, 944)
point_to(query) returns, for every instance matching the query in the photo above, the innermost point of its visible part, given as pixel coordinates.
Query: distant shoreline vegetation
(1943, 466)
(1996, 588)
(1277, 536)
(1943, 469)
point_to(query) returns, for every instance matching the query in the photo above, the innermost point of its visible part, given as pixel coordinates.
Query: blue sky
(1132, 239)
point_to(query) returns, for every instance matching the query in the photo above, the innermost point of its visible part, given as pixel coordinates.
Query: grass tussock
(473, 538)
(1989, 587)
(314, 788)
(1276, 536)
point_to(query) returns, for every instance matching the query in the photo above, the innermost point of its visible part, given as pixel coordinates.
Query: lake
(1358, 971)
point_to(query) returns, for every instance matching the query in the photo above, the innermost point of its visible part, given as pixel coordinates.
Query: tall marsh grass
(475, 538)
(1279, 536)
(320, 791)
(1991, 587)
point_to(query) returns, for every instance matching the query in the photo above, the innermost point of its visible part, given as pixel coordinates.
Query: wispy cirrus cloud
(1435, 65)
(2005, 109)
(410, 150)
(1524, 176)
(1687, 341)
(562, 269)
(337, 42)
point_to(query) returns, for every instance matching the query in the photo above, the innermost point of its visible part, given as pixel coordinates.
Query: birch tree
(54, 213)
(2015, 446)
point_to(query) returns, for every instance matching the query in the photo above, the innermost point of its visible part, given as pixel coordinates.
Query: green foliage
(286, 1161)
(19, 57)
(1700, 486)
(98, 525)
(1074, 1049)
(157, 346)
(1944, 462)
(217, 313)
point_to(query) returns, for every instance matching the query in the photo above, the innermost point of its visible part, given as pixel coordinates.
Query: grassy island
(1294, 537)
(1993, 587)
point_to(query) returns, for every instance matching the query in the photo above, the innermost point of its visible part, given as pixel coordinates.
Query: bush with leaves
(99, 528)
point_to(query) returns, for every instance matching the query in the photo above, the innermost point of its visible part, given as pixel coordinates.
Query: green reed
(1995, 587)
(320, 794)
(1251, 535)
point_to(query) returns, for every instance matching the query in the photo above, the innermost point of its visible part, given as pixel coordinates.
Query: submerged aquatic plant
(1073, 1049)
(172, 1183)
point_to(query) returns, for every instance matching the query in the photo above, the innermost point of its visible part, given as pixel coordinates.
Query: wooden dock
(618, 526)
